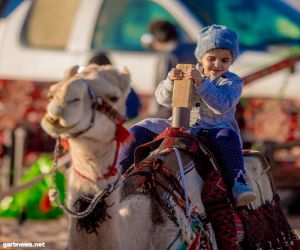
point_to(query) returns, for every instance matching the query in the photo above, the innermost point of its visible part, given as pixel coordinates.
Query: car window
(8, 6)
(257, 22)
(121, 27)
(49, 23)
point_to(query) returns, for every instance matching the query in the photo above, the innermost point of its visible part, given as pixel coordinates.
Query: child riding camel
(217, 92)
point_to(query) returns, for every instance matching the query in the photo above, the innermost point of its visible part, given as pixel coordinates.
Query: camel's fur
(68, 112)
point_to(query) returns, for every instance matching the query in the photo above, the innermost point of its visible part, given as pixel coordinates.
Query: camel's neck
(92, 160)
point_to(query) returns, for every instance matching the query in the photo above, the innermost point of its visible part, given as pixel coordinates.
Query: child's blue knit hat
(216, 37)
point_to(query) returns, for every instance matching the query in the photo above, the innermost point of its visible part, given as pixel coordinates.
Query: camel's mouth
(53, 125)
(54, 122)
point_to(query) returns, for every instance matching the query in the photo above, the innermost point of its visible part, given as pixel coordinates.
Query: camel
(87, 108)
(70, 113)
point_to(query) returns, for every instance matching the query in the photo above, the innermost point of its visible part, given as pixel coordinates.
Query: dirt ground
(54, 232)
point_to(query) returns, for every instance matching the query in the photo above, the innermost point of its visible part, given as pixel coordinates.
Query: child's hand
(194, 75)
(175, 74)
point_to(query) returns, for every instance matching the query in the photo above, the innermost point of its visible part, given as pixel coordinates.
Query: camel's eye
(114, 98)
(50, 97)
(74, 100)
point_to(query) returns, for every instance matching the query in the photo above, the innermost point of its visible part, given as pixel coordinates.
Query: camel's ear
(71, 71)
(125, 76)
(53, 88)
(125, 71)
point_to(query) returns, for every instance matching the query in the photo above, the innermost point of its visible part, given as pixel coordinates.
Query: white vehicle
(41, 38)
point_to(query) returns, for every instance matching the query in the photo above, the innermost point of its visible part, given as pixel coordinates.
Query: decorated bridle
(104, 107)
(122, 134)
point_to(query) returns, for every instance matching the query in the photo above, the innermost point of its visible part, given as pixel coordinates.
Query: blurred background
(39, 39)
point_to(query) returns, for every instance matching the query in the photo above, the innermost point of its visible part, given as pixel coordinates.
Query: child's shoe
(243, 194)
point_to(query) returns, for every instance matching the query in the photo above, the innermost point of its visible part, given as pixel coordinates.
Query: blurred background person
(164, 37)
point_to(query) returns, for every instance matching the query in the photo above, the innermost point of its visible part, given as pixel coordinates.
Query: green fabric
(32, 200)
(195, 225)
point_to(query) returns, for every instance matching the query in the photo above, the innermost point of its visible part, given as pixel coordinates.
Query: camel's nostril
(55, 110)
(52, 120)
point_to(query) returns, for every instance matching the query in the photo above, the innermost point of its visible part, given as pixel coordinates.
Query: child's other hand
(175, 74)
(194, 75)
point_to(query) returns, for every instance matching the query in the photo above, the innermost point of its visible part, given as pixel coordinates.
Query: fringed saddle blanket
(264, 225)
(150, 176)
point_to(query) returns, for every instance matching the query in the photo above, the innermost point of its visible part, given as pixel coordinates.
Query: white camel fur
(69, 112)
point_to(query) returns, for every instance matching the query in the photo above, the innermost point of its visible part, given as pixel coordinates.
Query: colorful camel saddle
(150, 176)
(262, 225)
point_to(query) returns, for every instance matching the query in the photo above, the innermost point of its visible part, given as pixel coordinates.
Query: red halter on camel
(122, 134)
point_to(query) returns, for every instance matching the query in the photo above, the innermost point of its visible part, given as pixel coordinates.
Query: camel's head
(71, 109)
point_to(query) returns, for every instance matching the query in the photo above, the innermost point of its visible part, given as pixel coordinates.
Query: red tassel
(45, 204)
(64, 144)
(196, 243)
(112, 172)
(122, 134)
(296, 244)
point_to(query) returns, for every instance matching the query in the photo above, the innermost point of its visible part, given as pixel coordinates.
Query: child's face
(216, 62)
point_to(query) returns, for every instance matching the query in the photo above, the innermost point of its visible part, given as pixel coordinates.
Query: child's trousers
(226, 142)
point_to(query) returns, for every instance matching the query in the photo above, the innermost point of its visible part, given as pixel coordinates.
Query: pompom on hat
(216, 37)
